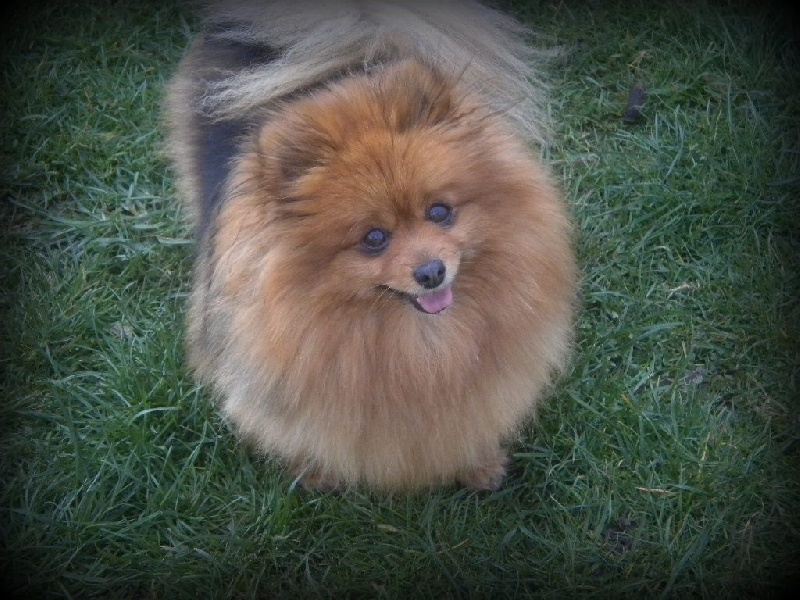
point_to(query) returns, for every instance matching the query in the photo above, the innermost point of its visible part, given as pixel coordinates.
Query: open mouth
(433, 302)
(429, 302)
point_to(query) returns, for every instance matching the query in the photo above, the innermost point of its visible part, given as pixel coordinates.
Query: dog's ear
(291, 146)
(414, 95)
(299, 152)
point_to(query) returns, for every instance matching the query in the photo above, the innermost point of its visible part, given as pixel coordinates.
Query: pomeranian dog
(385, 280)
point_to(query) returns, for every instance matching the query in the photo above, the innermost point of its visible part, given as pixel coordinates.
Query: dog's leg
(488, 475)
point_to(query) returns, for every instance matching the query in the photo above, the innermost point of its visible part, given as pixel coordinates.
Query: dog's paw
(317, 481)
(488, 476)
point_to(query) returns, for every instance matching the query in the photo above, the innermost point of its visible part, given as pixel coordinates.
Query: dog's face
(386, 222)
(384, 189)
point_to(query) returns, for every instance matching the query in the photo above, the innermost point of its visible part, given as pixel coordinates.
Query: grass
(666, 463)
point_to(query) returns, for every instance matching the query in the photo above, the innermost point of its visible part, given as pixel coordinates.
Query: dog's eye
(375, 241)
(441, 213)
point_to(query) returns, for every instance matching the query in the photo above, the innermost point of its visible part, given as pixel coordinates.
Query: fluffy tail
(314, 40)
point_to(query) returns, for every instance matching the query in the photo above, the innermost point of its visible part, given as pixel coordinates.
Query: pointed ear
(290, 147)
(299, 153)
(417, 96)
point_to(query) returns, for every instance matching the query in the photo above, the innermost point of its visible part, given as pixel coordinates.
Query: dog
(385, 280)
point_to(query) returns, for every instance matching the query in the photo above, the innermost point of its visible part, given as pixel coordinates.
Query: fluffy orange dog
(385, 282)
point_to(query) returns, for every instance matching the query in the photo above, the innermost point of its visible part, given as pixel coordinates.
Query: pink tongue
(435, 301)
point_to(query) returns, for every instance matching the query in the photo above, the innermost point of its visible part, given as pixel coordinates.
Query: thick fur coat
(384, 281)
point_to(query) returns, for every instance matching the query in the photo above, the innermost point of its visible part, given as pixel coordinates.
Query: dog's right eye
(375, 241)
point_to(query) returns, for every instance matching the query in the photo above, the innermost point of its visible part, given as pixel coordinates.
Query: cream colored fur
(487, 50)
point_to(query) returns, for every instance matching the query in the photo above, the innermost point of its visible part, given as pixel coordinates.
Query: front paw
(488, 476)
(313, 480)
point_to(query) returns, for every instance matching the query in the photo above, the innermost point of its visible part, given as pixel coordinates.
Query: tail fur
(315, 40)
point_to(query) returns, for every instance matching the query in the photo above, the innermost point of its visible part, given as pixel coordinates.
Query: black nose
(431, 274)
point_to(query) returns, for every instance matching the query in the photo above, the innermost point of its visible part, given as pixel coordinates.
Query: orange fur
(312, 343)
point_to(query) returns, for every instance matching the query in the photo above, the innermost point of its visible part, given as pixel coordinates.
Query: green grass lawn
(664, 465)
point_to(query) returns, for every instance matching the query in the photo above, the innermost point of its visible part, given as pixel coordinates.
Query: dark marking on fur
(221, 52)
(217, 144)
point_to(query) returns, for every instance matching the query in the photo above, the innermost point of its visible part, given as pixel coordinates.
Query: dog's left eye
(441, 214)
